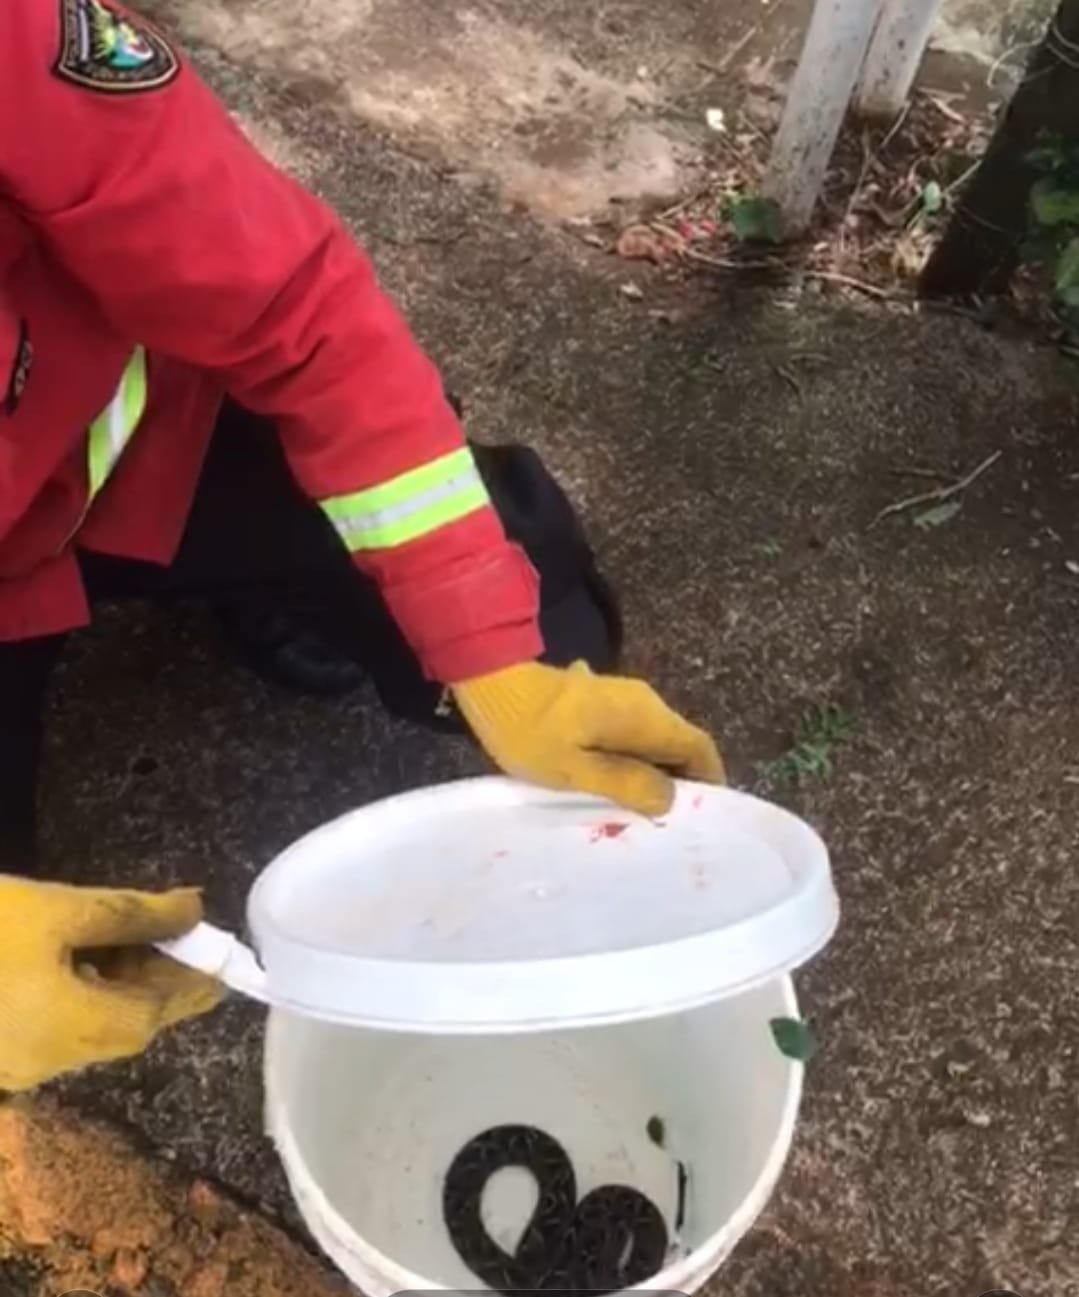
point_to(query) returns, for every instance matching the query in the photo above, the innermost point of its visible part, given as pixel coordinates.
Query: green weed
(822, 730)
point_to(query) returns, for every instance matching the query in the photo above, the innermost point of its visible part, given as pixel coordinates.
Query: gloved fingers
(629, 718)
(190, 994)
(86, 1025)
(705, 760)
(182, 992)
(93, 916)
(91, 1020)
(16, 1075)
(102, 1022)
(631, 784)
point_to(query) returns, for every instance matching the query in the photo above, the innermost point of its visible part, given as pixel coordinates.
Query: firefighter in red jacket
(152, 266)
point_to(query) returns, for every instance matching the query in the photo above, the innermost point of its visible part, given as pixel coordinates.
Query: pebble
(208, 1281)
(129, 1269)
(204, 1202)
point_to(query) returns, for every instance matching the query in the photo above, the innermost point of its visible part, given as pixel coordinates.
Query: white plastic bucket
(368, 1122)
(486, 954)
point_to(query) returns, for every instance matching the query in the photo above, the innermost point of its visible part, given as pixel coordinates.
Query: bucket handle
(212, 950)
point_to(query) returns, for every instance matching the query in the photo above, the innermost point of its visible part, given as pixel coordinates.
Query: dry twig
(938, 494)
(723, 65)
(848, 281)
(791, 379)
(734, 263)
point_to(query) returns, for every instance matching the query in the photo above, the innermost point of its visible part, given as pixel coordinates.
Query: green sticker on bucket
(795, 1038)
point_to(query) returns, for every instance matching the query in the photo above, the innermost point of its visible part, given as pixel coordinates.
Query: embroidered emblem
(20, 371)
(105, 49)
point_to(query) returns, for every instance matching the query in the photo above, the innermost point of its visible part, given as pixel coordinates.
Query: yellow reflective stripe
(412, 505)
(423, 521)
(114, 427)
(400, 490)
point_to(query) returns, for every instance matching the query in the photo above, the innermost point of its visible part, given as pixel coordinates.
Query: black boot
(279, 648)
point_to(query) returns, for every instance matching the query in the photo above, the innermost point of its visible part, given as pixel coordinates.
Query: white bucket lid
(489, 906)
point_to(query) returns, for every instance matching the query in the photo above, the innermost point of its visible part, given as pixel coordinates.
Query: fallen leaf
(795, 1039)
(937, 516)
(932, 198)
(633, 291)
(1053, 205)
(754, 219)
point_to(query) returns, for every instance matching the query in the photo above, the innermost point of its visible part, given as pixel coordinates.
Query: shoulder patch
(104, 48)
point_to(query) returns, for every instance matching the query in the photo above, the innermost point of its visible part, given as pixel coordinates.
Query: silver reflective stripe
(114, 427)
(410, 506)
(395, 514)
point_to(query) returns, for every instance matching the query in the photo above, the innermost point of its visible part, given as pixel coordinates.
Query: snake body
(613, 1238)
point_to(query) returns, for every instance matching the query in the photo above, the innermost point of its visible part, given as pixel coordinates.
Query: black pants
(254, 541)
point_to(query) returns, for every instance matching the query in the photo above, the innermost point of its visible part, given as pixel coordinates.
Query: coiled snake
(613, 1238)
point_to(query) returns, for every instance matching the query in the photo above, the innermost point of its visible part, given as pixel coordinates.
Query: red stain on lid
(611, 829)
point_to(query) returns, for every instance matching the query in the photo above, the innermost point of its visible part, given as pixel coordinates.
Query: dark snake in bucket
(612, 1239)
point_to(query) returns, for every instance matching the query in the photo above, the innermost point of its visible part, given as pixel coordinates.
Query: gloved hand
(571, 729)
(78, 983)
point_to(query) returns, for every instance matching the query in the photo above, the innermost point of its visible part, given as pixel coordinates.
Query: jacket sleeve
(196, 246)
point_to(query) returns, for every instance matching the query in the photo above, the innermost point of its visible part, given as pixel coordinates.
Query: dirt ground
(107, 1220)
(731, 449)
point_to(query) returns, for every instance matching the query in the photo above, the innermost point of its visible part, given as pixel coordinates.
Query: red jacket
(133, 212)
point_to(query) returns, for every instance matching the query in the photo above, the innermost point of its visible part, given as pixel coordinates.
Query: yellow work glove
(571, 729)
(79, 983)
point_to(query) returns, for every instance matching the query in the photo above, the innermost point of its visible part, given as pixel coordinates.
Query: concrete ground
(731, 449)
